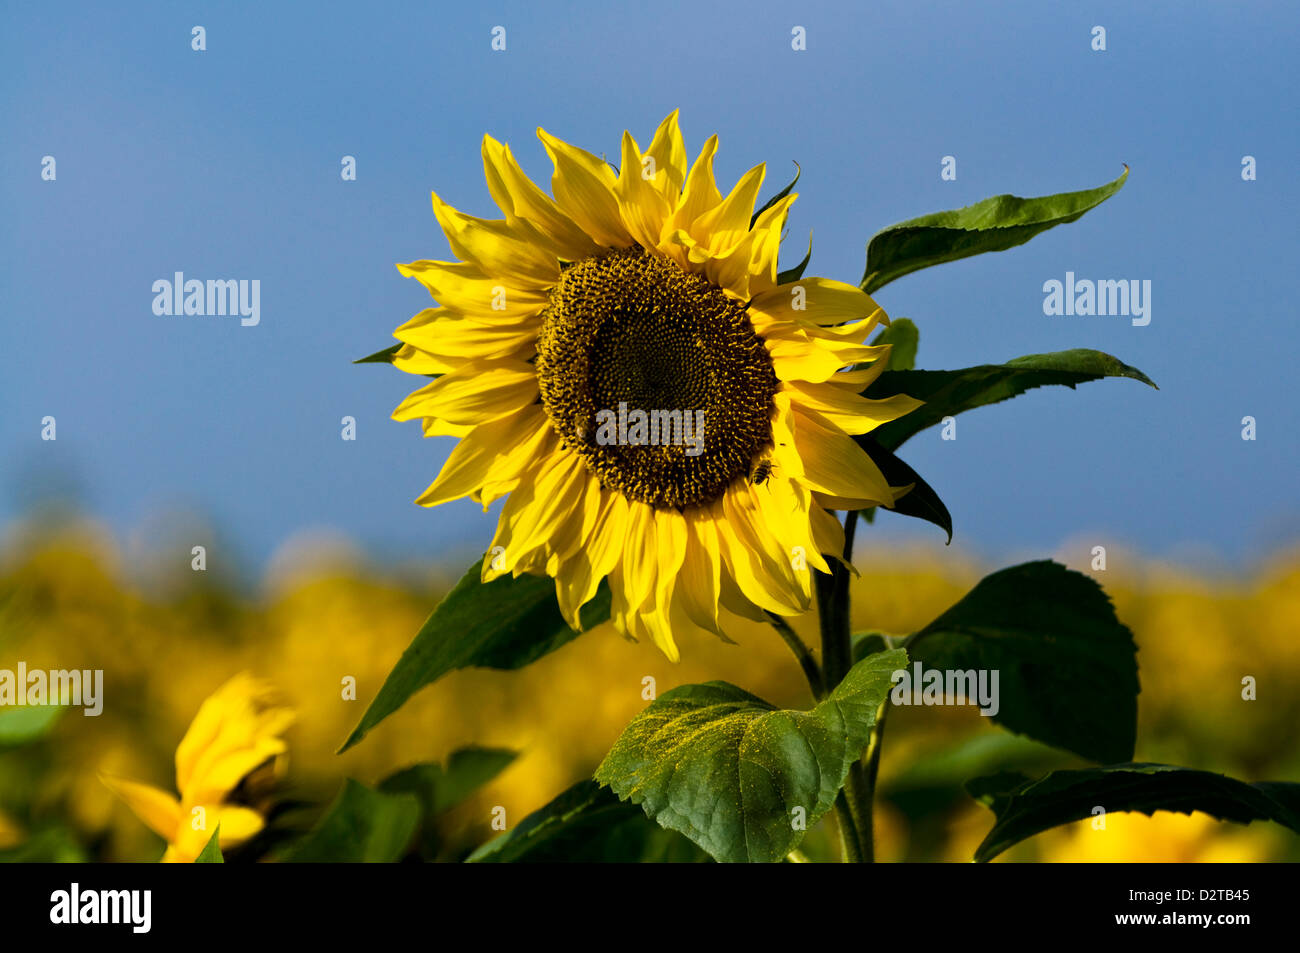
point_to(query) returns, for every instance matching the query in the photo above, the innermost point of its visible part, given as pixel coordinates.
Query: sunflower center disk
(655, 377)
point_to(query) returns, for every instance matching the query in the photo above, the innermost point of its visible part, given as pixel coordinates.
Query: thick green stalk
(857, 791)
(853, 807)
(850, 842)
(801, 652)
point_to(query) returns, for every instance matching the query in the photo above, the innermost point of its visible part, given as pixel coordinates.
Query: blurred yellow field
(166, 642)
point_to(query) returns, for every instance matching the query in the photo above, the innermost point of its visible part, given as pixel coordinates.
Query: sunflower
(233, 741)
(622, 363)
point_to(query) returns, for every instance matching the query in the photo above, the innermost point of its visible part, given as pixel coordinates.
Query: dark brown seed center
(655, 377)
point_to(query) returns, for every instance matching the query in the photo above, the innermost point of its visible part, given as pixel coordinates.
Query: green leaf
(904, 336)
(439, 789)
(995, 224)
(588, 824)
(950, 767)
(211, 853)
(778, 197)
(503, 624)
(381, 357)
(795, 273)
(27, 723)
(948, 393)
(1067, 667)
(1025, 808)
(361, 826)
(921, 501)
(872, 641)
(730, 771)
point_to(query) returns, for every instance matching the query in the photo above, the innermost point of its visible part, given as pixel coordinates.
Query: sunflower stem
(873, 749)
(853, 807)
(858, 793)
(850, 843)
(811, 670)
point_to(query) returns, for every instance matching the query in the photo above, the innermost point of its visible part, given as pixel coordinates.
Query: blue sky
(225, 164)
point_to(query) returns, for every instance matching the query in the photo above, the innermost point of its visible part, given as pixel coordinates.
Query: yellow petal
(221, 774)
(518, 196)
(725, 225)
(433, 427)
(414, 361)
(701, 192)
(733, 270)
(834, 464)
(640, 552)
(784, 451)
(576, 531)
(160, 811)
(784, 505)
(859, 376)
(799, 356)
(699, 583)
(765, 245)
(816, 301)
(477, 393)
(669, 152)
(656, 624)
(452, 337)
(660, 539)
(584, 189)
(642, 204)
(236, 729)
(670, 538)
(851, 412)
(465, 289)
(238, 824)
(828, 533)
(511, 469)
(733, 600)
(501, 447)
(580, 577)
(757, 561)
(495, 248)
(533, 512)
(620, 615)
